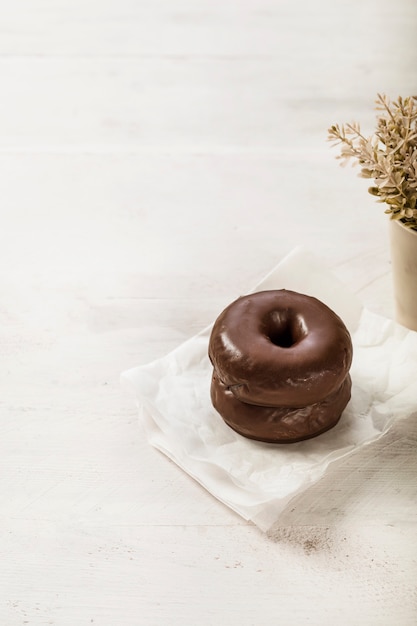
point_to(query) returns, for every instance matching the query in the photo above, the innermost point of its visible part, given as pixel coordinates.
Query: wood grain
(157, 160)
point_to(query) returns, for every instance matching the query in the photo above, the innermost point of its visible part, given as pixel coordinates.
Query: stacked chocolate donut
(281, 364)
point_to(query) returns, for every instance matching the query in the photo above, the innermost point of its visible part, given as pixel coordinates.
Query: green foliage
(389, 156)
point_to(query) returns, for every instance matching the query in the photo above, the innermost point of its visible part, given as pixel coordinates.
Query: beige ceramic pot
(404, 272)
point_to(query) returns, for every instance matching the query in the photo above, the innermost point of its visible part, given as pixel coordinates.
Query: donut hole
(285, 330)
(282, 337)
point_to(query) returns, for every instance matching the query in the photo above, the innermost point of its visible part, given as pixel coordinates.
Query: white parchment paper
(257, 480)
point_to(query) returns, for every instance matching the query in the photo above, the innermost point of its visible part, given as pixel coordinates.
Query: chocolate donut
(280, 348)
(281, 364)
(279, 424)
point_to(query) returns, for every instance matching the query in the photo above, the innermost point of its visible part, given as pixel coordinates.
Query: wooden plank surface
(157, 160)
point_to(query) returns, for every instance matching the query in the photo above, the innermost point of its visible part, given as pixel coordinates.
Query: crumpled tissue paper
(255, 479)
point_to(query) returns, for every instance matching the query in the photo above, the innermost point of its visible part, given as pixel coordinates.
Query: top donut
(280, 348)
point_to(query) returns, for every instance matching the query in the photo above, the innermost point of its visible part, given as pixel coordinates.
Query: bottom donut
(279, 424)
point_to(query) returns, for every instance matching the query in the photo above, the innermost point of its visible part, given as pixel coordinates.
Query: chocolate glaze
(280, 348)
(279, 424)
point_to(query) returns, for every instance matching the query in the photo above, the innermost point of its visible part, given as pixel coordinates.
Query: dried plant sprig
(389, 156)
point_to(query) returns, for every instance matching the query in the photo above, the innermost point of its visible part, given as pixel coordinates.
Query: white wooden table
(157, 159)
